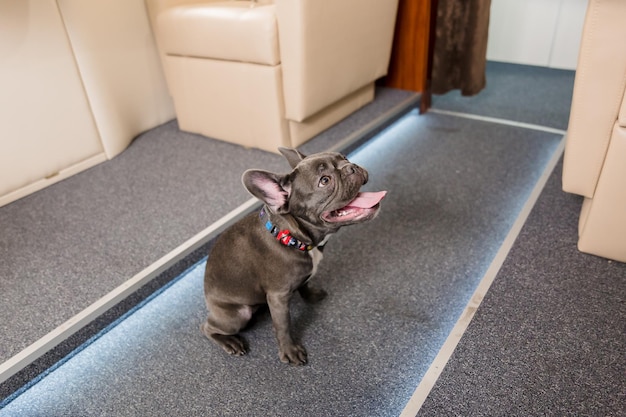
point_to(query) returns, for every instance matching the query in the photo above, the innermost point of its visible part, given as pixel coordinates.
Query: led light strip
(80, 320)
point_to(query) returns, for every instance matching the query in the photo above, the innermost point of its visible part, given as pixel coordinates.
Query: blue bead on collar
(284, 236)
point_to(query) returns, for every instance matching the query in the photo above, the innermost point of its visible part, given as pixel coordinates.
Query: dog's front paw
(293, 355)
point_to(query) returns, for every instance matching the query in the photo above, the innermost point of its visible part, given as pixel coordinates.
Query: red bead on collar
(284, 236)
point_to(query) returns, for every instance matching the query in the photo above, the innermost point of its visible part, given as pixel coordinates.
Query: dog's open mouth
(362, 207)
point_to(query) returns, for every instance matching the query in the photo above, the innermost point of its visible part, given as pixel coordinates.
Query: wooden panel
(553, 39)
(408, 68)
(513, 39)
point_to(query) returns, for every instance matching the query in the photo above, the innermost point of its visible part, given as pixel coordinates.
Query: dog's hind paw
(312, 294)
(232, 344)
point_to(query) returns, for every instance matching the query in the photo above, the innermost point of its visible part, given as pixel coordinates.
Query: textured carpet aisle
(550, 336)
(396, 287)
(525, 94)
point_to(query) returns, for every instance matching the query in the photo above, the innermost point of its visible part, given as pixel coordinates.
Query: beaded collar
(284, 236)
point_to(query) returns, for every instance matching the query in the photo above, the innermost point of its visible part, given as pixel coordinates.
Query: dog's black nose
(349, 169)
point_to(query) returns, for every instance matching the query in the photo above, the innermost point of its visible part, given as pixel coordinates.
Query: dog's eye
(324, 181)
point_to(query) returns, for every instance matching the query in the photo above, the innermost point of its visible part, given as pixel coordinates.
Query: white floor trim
(434, 371)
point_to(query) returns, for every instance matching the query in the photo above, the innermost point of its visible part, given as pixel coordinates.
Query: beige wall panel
(120, 67)
(602, 226)
(45, 117)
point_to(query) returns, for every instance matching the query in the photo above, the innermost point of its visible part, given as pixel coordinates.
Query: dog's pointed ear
(272, 189)
(293, 156)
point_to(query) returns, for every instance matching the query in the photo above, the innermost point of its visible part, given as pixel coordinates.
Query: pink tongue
(367, 200)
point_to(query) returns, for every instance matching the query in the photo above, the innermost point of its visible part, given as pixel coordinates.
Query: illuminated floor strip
(75, 323)
(442, 358)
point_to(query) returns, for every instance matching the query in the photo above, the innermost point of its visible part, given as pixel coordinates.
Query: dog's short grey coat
(248, 267)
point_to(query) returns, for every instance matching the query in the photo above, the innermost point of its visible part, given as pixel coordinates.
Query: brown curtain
(460, 49)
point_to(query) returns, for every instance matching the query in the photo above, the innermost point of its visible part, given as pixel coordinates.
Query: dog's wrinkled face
(324, 185)
(322, 189)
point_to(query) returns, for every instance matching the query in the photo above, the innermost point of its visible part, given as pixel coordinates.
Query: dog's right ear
(293, 156)
(272, 189)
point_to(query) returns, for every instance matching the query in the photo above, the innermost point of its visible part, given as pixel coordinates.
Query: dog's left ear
(293, 156)
(272, 189)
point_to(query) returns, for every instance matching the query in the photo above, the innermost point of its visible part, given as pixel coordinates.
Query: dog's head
(322, 189)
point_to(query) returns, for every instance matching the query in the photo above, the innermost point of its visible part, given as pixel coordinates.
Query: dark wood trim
(427, 94)
(408, 68)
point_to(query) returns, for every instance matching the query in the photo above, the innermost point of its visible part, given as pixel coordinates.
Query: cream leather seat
(271, 73)
(595, 153)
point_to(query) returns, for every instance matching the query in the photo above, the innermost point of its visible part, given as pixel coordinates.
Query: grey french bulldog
(268, 255)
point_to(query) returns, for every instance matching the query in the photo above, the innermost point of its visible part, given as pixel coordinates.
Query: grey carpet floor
(549, 338)
(396, 285)
(63, 248)
(546, 340)
(525, 94)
